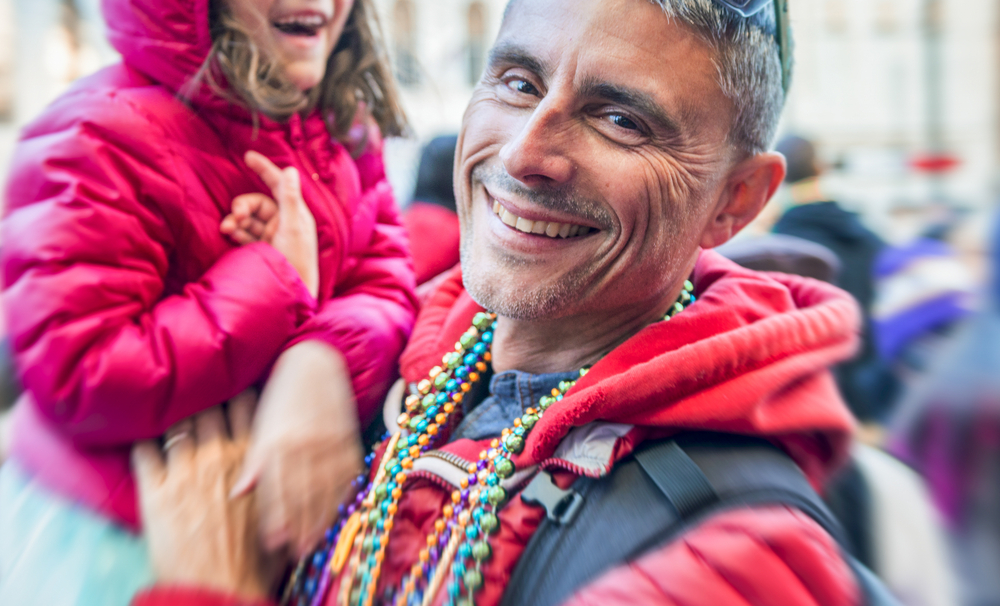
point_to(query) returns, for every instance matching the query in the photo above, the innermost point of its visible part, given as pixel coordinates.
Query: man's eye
(523, 86)
(622, 122)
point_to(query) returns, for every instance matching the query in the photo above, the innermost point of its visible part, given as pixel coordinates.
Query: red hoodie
(127, 309)
(750, 357)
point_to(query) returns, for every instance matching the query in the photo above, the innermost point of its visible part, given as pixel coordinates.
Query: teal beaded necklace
(459, 543)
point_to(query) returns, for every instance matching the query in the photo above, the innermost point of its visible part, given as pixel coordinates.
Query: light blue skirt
(56, 553)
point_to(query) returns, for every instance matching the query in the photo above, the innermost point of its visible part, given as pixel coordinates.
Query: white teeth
(508, 217)
(307, 20)
(548, 228)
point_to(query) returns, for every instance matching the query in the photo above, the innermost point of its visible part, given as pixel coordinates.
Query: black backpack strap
(677, 477)
(742, 471)
(617, 515)
(624, 515)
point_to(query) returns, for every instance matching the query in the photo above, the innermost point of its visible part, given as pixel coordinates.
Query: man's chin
(502, 292)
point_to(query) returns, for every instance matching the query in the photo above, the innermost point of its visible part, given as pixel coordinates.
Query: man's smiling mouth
(541, 228)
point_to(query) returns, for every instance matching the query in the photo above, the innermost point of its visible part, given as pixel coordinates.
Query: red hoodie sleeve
(762, 557)
(187, 596)
(371, 314)
(95, 217)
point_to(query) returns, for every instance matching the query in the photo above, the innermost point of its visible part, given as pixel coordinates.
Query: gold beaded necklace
(459, 543)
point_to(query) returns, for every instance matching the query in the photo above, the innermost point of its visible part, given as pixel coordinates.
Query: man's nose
(537, 155)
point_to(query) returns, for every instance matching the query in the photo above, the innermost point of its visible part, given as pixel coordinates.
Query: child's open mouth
(300, 25)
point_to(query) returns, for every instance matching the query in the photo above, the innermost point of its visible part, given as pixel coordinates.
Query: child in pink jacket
(136, 292)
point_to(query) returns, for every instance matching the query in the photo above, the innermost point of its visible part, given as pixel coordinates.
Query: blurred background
(901, 96)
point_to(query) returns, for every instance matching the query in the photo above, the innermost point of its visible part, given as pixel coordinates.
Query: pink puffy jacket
(127, 309)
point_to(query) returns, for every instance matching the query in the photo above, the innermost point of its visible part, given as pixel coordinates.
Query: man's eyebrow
(637, 100)
(511, 54)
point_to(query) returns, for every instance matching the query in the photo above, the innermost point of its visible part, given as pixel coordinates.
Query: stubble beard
(492, 278)
(497, 287)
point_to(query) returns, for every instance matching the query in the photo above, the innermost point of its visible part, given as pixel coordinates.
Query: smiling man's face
(590, 159)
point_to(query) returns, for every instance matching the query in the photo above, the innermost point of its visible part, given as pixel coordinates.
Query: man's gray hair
(746, 56)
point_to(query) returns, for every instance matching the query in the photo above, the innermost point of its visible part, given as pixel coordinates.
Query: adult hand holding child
(197, 536)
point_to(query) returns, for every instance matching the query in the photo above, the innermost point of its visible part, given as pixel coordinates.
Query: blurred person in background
(865, 381)
(948, 429)
(176, 225)
(923, 290)
(430, 219)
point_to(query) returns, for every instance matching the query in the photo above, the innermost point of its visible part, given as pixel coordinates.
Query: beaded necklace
(355, 546)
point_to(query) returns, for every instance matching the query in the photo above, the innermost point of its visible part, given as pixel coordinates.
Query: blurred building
(878, 83)
(44, 46)
(885, 84)
(438, 49)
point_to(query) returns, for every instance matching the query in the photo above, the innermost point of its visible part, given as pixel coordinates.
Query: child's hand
(305, 447)
(254, 218)
(289, 226)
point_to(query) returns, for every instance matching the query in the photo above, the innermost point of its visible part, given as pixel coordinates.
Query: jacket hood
(165, 40)
(751, 357)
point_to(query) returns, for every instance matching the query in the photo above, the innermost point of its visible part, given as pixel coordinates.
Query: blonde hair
(357, 73)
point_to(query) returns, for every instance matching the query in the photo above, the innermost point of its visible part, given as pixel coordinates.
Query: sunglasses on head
(782, 34)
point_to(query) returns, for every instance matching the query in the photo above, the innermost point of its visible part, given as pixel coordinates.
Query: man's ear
(750, 185)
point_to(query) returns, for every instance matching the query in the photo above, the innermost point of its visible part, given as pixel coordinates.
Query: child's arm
(303, 450)
(370, 317)
(87, 241)
(371, 314)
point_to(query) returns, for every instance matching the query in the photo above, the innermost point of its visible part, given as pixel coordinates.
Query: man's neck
(563, 345)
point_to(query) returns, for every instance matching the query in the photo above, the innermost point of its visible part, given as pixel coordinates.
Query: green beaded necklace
(459, 542)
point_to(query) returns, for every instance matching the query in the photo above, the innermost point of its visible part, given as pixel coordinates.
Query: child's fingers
(229, 225)
(267, 170)
(267, 210)
(289, 193)
(240, 236)
(255, 227)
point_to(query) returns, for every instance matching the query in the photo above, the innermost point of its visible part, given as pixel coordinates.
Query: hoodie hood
(166, 41)
(751, 357)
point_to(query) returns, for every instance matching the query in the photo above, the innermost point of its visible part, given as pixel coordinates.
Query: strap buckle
(561, 506)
